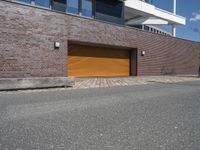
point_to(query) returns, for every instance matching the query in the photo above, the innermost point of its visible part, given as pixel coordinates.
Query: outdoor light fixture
(56, 45)
(143, 53)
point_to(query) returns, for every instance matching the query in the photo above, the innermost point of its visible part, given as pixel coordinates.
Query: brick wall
(27, 36)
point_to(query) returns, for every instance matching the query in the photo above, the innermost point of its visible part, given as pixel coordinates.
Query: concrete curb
(35, 83)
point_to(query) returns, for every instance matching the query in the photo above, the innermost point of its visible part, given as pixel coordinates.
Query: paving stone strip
(83, 83)
(86, 83)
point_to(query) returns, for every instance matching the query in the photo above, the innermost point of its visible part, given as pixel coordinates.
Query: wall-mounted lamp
(56, 45)
(143, 53)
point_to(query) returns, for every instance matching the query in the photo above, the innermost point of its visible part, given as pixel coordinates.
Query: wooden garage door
(88, 61)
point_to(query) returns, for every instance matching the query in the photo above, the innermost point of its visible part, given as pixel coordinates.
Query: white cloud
(196, 16)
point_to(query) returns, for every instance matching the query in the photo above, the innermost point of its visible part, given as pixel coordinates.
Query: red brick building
(27, 47)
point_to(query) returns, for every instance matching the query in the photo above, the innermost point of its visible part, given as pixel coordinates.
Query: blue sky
(189, 9)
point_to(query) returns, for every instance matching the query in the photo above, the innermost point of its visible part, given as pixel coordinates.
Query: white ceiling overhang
(146, 21)
(138, 8)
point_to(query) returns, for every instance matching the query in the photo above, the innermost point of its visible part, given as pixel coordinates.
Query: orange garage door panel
(86, 61)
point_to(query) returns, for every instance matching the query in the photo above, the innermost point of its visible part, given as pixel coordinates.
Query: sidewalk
(85, 83)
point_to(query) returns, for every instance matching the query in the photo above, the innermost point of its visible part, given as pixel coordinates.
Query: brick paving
(85, 83)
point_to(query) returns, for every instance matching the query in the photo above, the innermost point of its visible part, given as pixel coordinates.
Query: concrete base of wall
(35, 83)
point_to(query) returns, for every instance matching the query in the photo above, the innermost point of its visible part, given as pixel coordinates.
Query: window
(149, 1)
(111, 8)
(83, 7)
(59, 5)
(25, 1)
(43, 3)
(146, 28)
(73, 6)
(87, 8)
(111, 11)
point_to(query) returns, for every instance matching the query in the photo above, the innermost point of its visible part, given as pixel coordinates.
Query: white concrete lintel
(147, 21)
(152, 11)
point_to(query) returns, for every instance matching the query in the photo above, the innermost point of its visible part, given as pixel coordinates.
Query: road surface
(146, 117)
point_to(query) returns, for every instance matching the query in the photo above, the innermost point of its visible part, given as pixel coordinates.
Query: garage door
(90, 61)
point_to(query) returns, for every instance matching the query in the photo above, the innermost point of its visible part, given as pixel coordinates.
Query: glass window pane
(25, 1)
(59, 5)
(112, 7)
(43, 3)
(87, 8)
(111, 11)
(72, 6)
(149, 1)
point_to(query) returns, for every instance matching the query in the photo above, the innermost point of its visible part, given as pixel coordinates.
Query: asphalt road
(146, 117)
